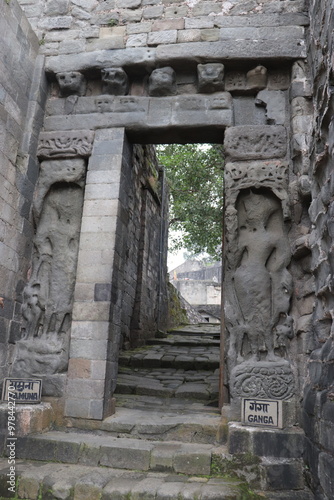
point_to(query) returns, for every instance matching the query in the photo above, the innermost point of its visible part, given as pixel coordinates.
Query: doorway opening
(181, 362)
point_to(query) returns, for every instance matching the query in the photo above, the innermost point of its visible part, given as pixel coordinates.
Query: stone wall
(22, 96)
(73, 26)
(318, 416)
(199, 292)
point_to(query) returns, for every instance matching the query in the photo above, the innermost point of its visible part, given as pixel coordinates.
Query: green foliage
(195, 177)
(113, 22)
(247, 494)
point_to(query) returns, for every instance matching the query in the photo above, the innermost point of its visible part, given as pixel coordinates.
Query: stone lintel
(204, 115)
(284, 42)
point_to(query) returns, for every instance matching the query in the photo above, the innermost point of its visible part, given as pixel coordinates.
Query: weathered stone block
(282, 476)
(89, 349)
(239, 439)
(90, 330)
(256, 142)
(162, 457)
(153, 12)
(277, 443)
(190, 462)
(94, 311)
(139, 40)
(162, 37)
(123, 456)
(326, 465)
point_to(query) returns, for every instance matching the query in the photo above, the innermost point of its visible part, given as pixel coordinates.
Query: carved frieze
(255, 142)
(71, 83)
(65, 144)
(263, 380)
(269, 174)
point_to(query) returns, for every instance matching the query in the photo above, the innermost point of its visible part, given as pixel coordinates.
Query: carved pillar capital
(65, 144)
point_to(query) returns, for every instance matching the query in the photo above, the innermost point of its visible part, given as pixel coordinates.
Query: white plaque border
(279, 413)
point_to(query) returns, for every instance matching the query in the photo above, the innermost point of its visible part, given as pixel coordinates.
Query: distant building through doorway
(200, 285)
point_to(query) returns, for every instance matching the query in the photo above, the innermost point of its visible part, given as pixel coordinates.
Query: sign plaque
(262, 413)
(22, 390)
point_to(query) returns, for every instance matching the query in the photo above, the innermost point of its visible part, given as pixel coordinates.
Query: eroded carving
(255, 142)
(210, 77)
(258, 284)
(48, 295)
(114, 81)
(264, 380)
(162, 82)
(257, 78)
(235, 80)
(71, 83)
(65, 144)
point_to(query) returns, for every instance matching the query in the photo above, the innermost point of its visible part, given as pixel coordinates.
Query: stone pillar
(258, 284)
(95, 327)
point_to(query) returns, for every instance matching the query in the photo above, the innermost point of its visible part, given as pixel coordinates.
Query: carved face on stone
(162, 82)
(71, 83)
(114, 81)
(210, 77)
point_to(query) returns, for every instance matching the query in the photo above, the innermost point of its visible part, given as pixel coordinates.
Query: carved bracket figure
(210, 77)
(71, 83)
(114, 81)
(162, 82)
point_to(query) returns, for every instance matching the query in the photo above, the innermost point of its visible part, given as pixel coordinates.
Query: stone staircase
(166, 440)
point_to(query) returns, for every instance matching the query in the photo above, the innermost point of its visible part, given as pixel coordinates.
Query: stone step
(81, 482)
(101, 449)
(164, 425)
(201, 328)
(169, 383)
(186, 340)
(172, 356)
(176, 405)
(54, 481)
(262, 442)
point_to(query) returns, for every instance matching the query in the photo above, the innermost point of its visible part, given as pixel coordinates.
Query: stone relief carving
(71, 83)
(210, 77)
(65, 145)
(114, 81)
(255, 142)
(48, 295)
(257, 282)
(162, 82)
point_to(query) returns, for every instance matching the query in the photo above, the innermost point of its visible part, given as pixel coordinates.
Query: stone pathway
(164, 442)
(48, 481)
(184, 365)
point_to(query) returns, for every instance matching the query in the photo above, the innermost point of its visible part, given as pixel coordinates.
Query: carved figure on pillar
(48, 296)
(258, 284)
(262, 283)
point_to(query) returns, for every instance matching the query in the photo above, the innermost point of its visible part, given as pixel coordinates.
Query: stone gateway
(87, 89)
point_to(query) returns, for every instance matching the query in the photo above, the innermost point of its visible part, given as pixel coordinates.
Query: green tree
(195, 177)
